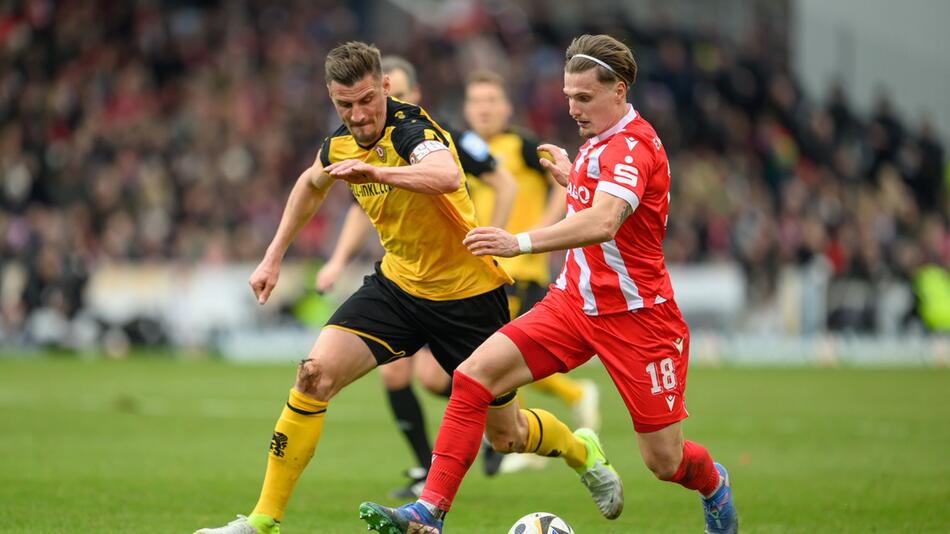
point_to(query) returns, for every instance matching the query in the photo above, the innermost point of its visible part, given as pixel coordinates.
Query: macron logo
(679, 345)
(670, 399)
(631, 142)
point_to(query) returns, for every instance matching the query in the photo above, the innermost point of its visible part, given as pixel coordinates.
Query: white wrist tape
(524, 242)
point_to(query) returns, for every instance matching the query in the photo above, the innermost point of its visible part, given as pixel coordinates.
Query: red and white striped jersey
(627, 273)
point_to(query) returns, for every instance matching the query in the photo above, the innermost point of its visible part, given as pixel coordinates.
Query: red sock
(696, 470)
(460, 435)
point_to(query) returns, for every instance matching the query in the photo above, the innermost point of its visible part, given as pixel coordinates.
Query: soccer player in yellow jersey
(403, 169)
(477, 164)
(538, 201)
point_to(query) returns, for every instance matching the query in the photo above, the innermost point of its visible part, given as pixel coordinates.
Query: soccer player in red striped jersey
(613, 299)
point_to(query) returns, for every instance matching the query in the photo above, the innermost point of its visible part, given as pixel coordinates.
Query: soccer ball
(541, 523)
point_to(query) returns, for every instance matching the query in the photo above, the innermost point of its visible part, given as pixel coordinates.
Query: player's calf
(696, 470)
(506, 440)
(664, 463)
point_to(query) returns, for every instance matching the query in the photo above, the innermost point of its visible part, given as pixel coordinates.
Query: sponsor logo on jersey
(626, 174)
(369, 190)
(577, 192)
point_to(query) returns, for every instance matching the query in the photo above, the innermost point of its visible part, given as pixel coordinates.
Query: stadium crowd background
(155, 132)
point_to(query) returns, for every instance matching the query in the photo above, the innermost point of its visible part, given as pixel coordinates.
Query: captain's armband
(423, 149)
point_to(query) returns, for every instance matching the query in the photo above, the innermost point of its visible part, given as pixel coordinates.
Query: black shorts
(395, 324)
(522, 296)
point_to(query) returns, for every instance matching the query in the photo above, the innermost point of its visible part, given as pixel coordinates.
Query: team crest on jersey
(381, 153)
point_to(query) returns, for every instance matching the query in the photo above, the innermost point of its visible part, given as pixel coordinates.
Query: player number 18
(667, 372)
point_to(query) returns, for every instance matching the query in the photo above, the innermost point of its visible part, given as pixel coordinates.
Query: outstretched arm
(305, 198)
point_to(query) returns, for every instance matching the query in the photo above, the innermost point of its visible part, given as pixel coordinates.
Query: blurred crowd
(169, 131)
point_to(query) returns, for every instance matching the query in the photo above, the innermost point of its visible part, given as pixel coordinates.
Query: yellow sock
(548, 436)
(295, 438)
(562, 387)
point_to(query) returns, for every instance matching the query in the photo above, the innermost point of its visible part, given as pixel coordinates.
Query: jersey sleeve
(414, 135)
(473, 154)
(625, 166)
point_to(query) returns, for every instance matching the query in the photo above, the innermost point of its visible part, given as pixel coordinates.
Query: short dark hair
(351, 62)
(391, 63)
(607, 49)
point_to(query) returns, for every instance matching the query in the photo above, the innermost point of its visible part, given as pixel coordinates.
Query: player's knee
(314, 381)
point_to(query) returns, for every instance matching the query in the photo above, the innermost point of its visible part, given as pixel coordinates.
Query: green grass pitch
(159, 445)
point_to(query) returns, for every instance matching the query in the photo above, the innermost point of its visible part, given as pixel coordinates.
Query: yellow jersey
(517, 153)
(421, 234)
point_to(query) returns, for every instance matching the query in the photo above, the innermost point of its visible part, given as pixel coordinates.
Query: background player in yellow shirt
(539, 202)
(477, 164)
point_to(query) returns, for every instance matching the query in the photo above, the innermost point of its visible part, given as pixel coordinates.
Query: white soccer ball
(541, 523)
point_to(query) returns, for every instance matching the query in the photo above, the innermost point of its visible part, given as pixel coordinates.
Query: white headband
(599, 62)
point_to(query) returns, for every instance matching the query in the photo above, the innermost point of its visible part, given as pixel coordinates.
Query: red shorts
(646, 352)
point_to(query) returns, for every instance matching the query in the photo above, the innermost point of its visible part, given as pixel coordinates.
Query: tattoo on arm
(624, 214)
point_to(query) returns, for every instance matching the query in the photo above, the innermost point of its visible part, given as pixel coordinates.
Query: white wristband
(524, 242)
